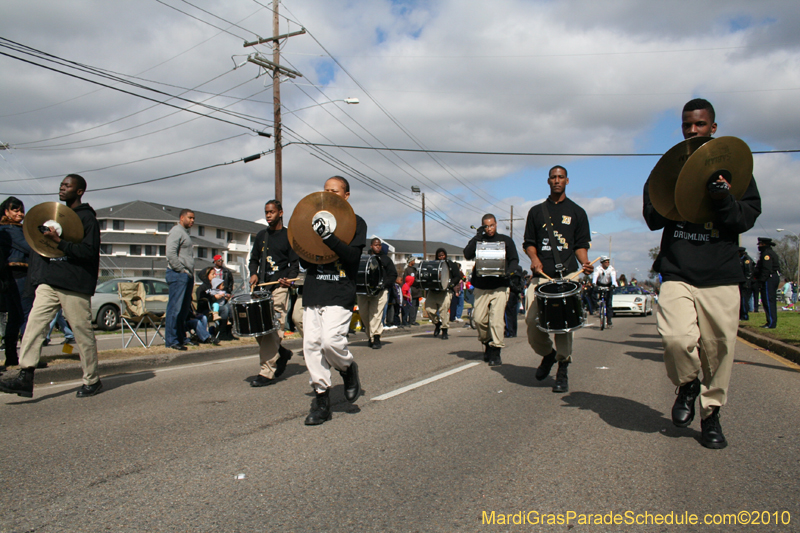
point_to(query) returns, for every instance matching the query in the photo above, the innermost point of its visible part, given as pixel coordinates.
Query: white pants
(371, 310)
(325, 343)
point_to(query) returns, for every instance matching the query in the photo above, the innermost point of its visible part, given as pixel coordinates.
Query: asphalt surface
(194, 448)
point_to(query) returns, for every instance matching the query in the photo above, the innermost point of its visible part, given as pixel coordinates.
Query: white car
(630, 299)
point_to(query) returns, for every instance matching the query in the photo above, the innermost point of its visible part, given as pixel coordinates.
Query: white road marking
(418, 384)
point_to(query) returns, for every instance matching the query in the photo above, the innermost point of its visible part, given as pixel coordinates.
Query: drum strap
(262, 265)
(553, 241)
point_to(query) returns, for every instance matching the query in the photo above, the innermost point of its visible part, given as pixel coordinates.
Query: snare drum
(560, 309)
(253, 315)
(369, 280)
(490, 259)
(434, 275)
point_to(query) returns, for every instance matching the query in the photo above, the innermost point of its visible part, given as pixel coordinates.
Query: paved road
(194, 448)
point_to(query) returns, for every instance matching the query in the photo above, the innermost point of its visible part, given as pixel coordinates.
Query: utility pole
(277, 72)
(424, 240)
(511, 221)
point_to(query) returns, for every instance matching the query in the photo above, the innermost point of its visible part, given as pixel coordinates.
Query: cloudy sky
(522, 76)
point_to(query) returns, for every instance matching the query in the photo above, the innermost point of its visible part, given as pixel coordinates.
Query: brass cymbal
(46, 214)
(729, 157)
(302, 237)
(665, 176)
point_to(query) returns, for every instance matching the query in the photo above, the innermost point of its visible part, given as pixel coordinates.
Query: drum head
(557, 288)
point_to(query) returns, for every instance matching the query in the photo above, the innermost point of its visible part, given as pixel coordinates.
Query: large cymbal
(665, 176)
(302, 237)
(726, 156)
(48, 214)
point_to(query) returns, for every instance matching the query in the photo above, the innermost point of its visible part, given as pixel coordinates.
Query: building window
(202, 253)
(105, 249)
(119, 225)
(136, 249)
(164, 227)
(106, 273)
(201, 231)
(220, 234)
(162, 251)
(150, 250)
(230, 236)
(103, 224)
(214, 252)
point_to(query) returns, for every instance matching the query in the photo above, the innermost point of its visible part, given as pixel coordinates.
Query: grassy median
(788, 329)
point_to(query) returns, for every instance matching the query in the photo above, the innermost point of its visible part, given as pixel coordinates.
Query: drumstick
(545, 275)
(579, 271)
(274, 282)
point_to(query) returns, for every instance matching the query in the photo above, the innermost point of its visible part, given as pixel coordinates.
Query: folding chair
(134, 298)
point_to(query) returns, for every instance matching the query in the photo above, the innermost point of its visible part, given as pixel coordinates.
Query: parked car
(107, 307)
(632, 299)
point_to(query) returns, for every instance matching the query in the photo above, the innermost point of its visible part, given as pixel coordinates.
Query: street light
(798, 253)
(609, 241)
(351, 100)
(416, 190)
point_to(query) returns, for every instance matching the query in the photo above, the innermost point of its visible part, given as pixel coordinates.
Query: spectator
(180, 277)
(211, 293)
(15, 256)
(69, 337)
(416, 291)
(407, 305)
(199, 323)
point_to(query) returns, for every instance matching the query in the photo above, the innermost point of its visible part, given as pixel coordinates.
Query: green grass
(788, 329)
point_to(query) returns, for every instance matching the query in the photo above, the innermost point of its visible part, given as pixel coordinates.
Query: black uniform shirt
(571, 228)
(512, 260)
(281, 261)
(335, 283)
(767, 265)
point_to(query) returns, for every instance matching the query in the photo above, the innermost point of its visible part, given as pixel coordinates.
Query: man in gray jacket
(180, 277)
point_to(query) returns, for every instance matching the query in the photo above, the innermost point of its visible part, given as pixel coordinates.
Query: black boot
(683, 409)
(494, 356)
(712, 436)
(352, 386)
(562, 380)
(546, 365)
(485, 352)
(376, 343)
(320, 409)
(22, 385)
(369, 342)
(436, 330)
(284, 354)
(444, 334)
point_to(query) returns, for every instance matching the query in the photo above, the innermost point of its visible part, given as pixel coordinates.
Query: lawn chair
(134, 301)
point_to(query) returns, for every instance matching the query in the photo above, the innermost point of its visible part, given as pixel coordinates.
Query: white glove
(322, 227)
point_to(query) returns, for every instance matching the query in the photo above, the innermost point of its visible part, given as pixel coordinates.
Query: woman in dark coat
(15, 253)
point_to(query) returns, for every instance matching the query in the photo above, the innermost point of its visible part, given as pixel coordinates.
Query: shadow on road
(109, 383)
(523, 375)
(771, 367)
(627, 414)
(658, 357)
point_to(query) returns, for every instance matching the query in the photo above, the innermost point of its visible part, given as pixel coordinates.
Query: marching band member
(273, 260)
(559, 222)
(371, 307)
(437, 302)
(329, 295)
(491, 292)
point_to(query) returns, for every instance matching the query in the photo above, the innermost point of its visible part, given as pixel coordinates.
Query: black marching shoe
(683, 409)
(376, 343)
(711, 436)
(436, 330)
(485, 352)
(545, 366)
(261, 381)
(494, 356)
(562, 380)
(369, 342)
(320, 409)
(445, 336)
(352, 385)
(89, 390)
(284, 354)
(22, 385)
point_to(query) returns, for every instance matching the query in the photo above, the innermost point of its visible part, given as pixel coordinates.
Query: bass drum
(490, 259)
(559, 306)
(369, 280)
(434, 275)
(253, 315)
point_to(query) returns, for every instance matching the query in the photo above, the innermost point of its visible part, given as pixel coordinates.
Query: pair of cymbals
(56, 215)
(679, 181)
(305, 241)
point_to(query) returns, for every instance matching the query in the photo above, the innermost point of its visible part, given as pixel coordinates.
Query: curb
(74, 372)
(781, 348)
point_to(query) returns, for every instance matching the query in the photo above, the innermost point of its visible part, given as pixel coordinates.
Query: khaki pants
(489, 315)
(539, 340)
(297, 313)
(370, 308)
(77, 309)
(268, 344)
(325, 343)
(698, 327)
(437, 305)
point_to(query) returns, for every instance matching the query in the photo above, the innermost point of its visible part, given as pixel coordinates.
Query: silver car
(106, 305)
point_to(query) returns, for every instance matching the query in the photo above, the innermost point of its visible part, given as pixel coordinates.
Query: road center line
(418, 384)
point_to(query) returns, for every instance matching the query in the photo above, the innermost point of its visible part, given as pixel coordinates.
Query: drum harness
(553, 241)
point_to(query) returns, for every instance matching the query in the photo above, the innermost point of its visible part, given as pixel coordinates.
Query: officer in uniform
(273, 260)
(437, 302)
(768, 277)
(491, 292)
(371, 307)
(746, 287)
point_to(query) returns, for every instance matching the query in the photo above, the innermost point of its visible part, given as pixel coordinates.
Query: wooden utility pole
(424, 241)
(276, 102)
(511, 221)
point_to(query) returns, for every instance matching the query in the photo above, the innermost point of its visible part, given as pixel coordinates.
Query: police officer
(768, 277)
(746, 287)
